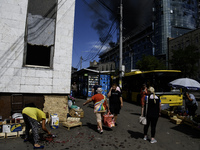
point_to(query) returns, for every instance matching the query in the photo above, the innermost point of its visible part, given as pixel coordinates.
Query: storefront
(86, 79)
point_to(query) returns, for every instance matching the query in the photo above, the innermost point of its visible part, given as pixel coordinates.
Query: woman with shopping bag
(151, 110)
(115, 101)
(100, 107)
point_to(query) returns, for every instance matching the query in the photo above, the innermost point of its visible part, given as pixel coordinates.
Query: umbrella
(188, 83)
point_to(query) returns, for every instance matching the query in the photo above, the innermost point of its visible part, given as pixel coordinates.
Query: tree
(150, 63)
(186, 60)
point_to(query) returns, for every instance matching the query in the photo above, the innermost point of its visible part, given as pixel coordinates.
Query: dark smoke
(136, 14)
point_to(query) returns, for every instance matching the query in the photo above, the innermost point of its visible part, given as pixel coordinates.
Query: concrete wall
(14, 78)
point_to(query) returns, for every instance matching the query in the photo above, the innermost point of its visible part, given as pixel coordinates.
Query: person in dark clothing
(95, 87)
(115, 101)
(191, 104)
(153, 104)
(74, 89)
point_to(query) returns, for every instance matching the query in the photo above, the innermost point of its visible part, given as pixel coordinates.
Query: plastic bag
(108, 120)
(142, 120)
(69, 103)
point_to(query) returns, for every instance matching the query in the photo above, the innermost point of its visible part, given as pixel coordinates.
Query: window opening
(40, 33)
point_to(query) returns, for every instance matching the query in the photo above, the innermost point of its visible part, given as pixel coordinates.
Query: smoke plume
(136, 14)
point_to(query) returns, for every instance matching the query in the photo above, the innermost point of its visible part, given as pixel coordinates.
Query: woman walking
(100, 106)
(115, 101)
(153, 104)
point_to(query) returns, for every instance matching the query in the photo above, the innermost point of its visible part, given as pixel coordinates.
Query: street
(128, 134)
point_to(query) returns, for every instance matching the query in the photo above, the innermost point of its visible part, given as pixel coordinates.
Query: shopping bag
(108, 120)
(142, 120)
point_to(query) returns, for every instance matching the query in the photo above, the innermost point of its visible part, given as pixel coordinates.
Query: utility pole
(120, 45)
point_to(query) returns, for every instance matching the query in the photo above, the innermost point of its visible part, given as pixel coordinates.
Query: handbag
(142, 119)
(108, 120)
(99, 107)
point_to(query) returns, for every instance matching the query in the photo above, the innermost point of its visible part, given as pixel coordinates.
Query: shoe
(41, 147)
(153, 141)
(101, 131)
(145, 138)
(98, 129)
(25, 140)
(115, 124)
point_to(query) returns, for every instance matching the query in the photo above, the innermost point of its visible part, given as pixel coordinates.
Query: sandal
(41, 147)
(25, 140)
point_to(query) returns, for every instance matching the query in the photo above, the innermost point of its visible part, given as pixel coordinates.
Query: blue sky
(85, 37)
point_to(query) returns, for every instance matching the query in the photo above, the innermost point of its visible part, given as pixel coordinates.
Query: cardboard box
(6, 128)
(16, 127)
(54, 121)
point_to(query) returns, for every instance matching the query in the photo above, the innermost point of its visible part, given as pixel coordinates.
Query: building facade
(134, 47)
(36, 39)
(170, 19)
(181, 42)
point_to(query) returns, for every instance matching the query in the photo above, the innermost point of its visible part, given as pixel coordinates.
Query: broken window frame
(52, 47)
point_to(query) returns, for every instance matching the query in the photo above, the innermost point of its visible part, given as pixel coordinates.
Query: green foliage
(186, 60)
(150, 63)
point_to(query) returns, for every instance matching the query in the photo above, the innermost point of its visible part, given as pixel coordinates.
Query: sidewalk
(127, 135)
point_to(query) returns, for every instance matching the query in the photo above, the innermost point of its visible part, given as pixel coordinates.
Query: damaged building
(36, 39)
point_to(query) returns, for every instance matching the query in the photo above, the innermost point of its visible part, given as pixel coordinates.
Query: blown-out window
(40, 33)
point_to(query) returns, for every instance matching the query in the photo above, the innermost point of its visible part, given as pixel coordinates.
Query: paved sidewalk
(127, 135)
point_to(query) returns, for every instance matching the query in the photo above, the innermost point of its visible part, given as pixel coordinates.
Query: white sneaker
(145, 138)
(153, 141)
(101, 131)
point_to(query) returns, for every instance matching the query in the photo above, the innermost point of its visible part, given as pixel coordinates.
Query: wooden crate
(181, 117)
(8, 135)
(11, 134)
(167, 113)
(2, 135)
(72, 122)
(176, 121)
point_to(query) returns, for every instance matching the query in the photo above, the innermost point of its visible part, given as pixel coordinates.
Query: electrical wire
(92, 8)
(91, 56)
(107, 7)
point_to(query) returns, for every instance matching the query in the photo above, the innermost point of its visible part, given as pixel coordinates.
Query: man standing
(115, 101)
(95, 87)
(191, 104)
(143, 94)
(74, 89)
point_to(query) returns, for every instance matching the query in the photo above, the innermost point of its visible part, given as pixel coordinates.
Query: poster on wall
(92, 79)
(105, 83)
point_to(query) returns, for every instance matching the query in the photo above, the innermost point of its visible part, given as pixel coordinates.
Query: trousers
(31, 124)
(153, 121)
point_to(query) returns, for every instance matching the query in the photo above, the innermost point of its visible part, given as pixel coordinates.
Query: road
(127, 135)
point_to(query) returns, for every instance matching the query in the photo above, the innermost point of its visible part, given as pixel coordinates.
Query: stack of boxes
(11, 127)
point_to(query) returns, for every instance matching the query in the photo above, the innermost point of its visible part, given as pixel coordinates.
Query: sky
(97, 22)
(84, 35)
(86, 38)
